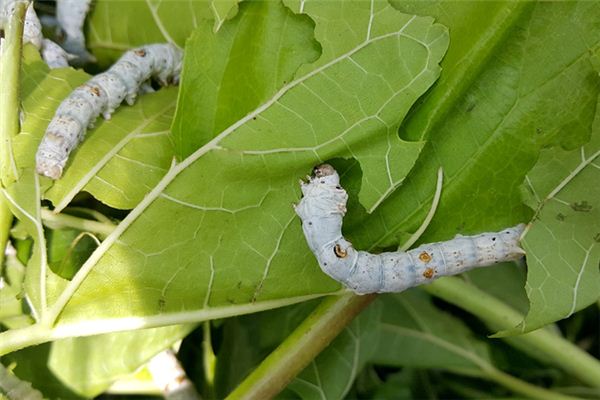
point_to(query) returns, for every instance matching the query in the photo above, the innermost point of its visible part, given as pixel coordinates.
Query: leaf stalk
(542, 344)
(10, 65)
(301, 346)
(58, 221)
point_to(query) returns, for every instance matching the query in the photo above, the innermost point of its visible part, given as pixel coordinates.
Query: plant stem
(57, 221)
(10, 65)
(16, 339)
(541, 344)
(6, 219)
(522, 387)
(209, 359)
(302, 346)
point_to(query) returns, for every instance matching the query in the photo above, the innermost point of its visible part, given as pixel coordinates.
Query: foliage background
(267, 93)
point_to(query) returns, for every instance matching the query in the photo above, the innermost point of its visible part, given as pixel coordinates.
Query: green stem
(6, 219)
(542, 344)
(10, 65)
(58, 221)
(522, 387)
(302, 346)
(16, 339)
(209, 359)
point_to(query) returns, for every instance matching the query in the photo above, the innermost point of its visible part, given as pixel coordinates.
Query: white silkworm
(168, 374)
(12, 387)
(322, 209)
(54, 55)
(102, 95)
(70, 15)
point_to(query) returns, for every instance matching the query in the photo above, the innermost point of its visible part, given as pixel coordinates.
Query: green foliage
(563, 244)
(250, 173)
(206, 173)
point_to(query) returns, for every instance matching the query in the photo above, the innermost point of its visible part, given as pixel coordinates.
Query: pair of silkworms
(322, 209)
(102, 95)
(52, 53)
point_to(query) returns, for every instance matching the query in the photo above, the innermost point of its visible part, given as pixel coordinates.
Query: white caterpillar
(70, 15)
(52, 53)
(102, 95)
(321, 210)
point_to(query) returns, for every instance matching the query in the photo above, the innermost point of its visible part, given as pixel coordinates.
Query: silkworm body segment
(102, 95)
(322, 209)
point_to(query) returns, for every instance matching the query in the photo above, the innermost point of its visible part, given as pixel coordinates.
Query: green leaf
(31, 365)
(227, 75)
(223, 10)
(68, 249)
(397, 386)
(563, 241)
(332, 373)
(110, 30)
(89, 365)
(12, 307)
(414, 333)
(477, 30)
(22, 198)
(522, 100)
(222, 222)
(355, 22)
(505, 281)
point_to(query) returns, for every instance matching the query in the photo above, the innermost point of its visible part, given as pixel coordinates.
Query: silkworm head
(46, 168)
(323, 170)
(325, 174)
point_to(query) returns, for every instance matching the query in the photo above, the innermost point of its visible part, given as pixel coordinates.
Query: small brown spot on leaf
(560, 217)
(339, 252)
(425, 257)
(582, 206)
(428, 273)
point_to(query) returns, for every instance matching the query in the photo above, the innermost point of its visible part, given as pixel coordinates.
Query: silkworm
(54, 55)
(322, 209)
(102, 95)
(70, 15)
